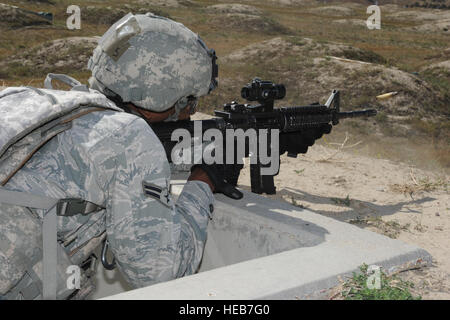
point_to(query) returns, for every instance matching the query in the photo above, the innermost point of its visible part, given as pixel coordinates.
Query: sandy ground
(391, 198)
(381, 195)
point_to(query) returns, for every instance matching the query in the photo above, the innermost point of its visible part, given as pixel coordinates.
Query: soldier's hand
(298, 142)
(215, 174)
(197, 174)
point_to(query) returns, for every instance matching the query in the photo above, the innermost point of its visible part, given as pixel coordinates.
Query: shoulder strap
(65, 124)
(73, 83)
(21, 137)
(53, 207)
(61, 77)
(49, 236)
(30, 117)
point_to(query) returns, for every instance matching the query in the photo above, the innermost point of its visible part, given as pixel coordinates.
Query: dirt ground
(387, 197)
(384, 196)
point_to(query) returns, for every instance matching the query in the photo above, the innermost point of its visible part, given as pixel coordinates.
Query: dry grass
(390, 229)
(307, 80)
(425, 184)
(340, 147)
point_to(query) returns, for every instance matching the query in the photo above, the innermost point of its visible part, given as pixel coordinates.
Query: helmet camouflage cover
(153, 62)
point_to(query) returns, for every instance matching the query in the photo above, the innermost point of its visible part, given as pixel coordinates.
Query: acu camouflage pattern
(104, 158)
(24, 127)
(152, 62)
(21, 253)
(40, 116)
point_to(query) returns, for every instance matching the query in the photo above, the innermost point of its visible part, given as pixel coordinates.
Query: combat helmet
(152, 62)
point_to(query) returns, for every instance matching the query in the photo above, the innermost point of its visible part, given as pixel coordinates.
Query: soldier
(157, 69)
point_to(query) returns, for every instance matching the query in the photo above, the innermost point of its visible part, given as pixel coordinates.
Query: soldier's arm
(152, 238)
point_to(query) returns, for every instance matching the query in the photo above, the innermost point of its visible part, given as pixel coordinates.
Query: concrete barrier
(259, 248)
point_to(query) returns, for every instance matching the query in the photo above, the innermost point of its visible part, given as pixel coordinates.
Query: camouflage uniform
(104, 159)
(114, 160)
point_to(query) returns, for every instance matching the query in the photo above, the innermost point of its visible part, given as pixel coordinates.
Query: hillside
(310, 46)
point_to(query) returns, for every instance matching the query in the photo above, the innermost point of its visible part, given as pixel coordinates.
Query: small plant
(391, 287)
(297, 41)
(299, 171)
(420, 227)
(342, 201)
(423, 184)
(390, 229)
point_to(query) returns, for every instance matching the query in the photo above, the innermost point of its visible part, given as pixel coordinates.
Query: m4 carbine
(288, 120)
